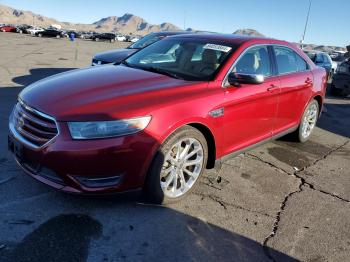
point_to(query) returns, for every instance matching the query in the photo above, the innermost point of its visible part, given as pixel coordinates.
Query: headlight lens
(104, 129)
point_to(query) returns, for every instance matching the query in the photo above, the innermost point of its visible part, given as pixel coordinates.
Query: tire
(40, 35)
(58, 36)
(161, 194)
(299, 135)
(3, 30)
(112, 40)
(97, 39)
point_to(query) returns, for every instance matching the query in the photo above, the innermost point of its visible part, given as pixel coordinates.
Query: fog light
(99, 182)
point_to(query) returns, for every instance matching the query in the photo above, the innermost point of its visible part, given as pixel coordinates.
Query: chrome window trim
(20, 138)
(225, 83)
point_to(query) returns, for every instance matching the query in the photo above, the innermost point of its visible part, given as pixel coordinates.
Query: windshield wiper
(162, 71)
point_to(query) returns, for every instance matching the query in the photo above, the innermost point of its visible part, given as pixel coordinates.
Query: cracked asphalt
(280, 202)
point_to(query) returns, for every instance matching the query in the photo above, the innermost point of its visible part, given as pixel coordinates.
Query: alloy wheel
(181, 167)
(309, 120)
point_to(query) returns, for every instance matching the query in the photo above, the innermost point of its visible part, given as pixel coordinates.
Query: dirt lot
(281, 202)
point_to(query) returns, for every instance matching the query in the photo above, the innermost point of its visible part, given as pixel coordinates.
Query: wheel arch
(319, 100)
(205, 131)
(209, 137)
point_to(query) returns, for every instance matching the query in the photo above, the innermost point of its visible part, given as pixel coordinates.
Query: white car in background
(32, 30)
(120, 38)
(134, 39)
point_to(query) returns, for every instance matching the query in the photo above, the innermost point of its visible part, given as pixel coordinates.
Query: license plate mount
(15, 147)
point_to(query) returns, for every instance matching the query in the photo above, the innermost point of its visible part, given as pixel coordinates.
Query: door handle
(272, 87)
(308, 81)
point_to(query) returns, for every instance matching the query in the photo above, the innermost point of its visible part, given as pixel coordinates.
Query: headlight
(104, 129)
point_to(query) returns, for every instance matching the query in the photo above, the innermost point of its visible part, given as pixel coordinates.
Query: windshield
(145, 41)
(190, 59)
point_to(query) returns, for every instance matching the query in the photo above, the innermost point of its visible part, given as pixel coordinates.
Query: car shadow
(139, 233)
(37, 74)
(123, 229)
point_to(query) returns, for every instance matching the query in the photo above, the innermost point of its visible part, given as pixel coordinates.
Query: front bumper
(88, 166)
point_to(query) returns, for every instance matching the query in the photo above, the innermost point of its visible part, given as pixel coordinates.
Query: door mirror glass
(235, 79)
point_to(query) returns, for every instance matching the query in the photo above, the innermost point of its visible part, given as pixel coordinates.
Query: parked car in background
(50, 33)
(22, 29)
(157, 126)
(7, 28)
(322, 59)
(116, 56)
(134, 39)
(338, 56)
(121, 38)
(33, 30)
(341, 80)
(104, 37)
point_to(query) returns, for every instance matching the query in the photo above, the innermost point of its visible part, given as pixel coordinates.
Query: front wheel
(307, 123)
(176, 168)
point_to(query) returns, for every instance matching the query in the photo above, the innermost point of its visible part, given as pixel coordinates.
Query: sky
(329, 22)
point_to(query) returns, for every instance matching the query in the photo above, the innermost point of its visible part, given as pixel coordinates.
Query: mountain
(126, 24)
(129, 23)
(249, 32)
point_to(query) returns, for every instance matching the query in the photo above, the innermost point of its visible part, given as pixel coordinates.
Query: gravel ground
(282, 201)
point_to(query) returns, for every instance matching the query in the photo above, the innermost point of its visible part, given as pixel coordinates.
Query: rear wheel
(58, 36)
(307, 123)
(40, 35)
(97, 39)
(176, 168)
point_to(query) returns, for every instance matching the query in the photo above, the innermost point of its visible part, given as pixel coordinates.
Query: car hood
(97, 93)
(114, 56)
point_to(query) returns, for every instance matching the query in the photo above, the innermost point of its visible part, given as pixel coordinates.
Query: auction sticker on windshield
(221, 48)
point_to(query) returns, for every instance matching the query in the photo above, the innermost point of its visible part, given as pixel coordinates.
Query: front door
(250, 109)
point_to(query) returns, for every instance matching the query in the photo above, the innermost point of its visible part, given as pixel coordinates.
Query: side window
(302, 65)
(286, 60)
(255, 61)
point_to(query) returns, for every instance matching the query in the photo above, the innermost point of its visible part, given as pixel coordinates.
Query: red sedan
(169, 111)
(7, 28)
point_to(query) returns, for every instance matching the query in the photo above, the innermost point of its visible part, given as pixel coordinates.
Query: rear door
(250, 109)
(296, 81)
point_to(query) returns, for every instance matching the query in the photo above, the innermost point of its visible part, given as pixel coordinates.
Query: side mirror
(235, 79)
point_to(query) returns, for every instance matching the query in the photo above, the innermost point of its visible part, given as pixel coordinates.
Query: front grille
(33, 126)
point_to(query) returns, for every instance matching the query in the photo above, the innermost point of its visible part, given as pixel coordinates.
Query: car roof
(169, 33)
(232, 38)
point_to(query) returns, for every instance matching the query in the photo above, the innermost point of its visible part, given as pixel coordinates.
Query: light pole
(307, 20)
